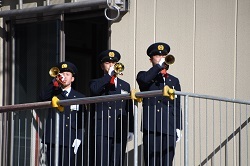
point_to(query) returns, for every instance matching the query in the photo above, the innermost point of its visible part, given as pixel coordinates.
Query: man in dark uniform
(161, 116)
(114, 120)
(70, 123)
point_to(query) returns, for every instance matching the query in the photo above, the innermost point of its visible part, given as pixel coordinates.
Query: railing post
(57, 138)
(186, 130)
(135, 133)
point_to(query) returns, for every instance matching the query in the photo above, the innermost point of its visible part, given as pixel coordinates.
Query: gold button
(110, 108)
(159, 101)
(122, 100)
(109, 116)
(68, 117)
(158, 110)
(66, 125)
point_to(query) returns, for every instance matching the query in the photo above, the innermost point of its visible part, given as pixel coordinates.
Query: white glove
(76, 145)
(111, 71)
(161, 62)
(178, 132)
(61, 76)
(130, 136)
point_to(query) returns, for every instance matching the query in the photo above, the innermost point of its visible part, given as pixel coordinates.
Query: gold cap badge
(160, 47)
(64, 66)
(111, 54)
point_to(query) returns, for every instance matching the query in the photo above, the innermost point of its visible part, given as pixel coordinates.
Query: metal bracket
(118, 6)
(123, 4)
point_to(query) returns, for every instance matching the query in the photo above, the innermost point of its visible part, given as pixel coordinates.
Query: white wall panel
(202, 36)
(242, 73)
(131, 36)
(174, 25)
(214, 59)
(214, 48)
(123, 40)
(243, 50)
(145, 28)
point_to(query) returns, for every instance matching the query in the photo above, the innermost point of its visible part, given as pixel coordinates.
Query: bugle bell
(118, 68)
(54, 71)
(169, 60)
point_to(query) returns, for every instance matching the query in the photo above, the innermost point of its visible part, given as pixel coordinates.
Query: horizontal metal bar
(107, 98)
(25, 106)
(212, 97)
(149, 94)
(86, 100)
(50, 8)
(96, 99)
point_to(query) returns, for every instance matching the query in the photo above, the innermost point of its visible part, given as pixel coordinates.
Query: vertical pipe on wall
(20, 4)
(11, 123)
(62, 38)
(235, 45)
(235, 66)
(135, 37)
(194, 40)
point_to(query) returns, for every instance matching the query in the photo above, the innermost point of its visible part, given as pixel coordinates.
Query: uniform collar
(68, 90)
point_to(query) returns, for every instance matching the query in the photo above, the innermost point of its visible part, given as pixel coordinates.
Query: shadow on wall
(225, 142)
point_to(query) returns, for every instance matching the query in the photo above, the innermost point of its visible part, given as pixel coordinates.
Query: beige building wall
(210, 40)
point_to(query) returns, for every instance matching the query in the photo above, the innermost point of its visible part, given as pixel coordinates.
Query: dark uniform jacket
(156, 112)
(70, 125)
(114, 113)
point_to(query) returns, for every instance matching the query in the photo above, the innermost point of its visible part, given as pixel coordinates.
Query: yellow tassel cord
(168, 92)
(55, 105)
(133, 97)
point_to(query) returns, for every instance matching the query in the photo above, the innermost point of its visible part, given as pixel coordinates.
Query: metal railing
(215, 131)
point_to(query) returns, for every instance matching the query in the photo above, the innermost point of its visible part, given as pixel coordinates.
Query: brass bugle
(54, 71)
(170, 59)
(118, 68)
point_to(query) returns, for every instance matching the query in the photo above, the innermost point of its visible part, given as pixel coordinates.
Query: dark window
(37, 48)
